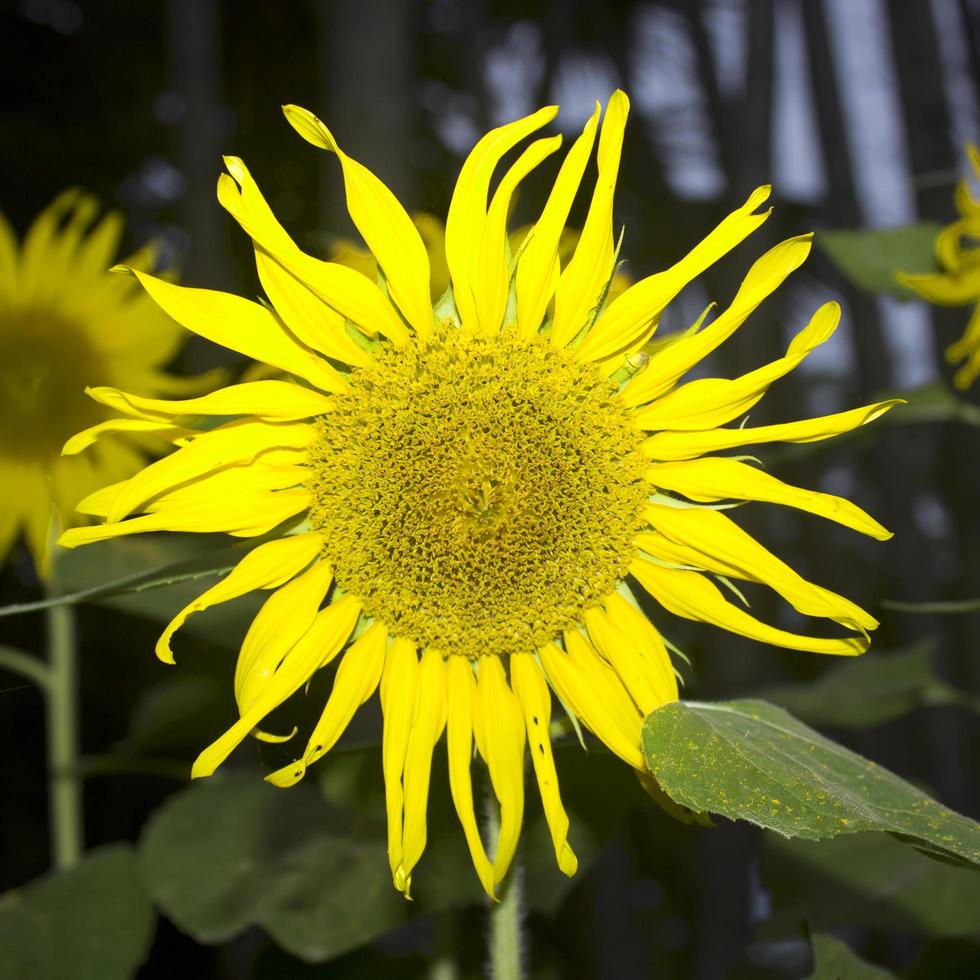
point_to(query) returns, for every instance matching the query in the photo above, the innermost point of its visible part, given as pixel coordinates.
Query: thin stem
(506, 915)
(64, 779)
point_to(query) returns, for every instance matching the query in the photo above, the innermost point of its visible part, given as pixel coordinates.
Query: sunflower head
(465, 501)
(65, 323)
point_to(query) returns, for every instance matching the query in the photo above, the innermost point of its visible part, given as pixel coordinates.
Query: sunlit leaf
(93, 922)
(835, 960)
(869, 880)
(749, 760)
(871, 258)
(867, 690)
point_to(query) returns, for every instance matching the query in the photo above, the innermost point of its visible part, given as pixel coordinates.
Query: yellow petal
(280, 401)
(591, 690)
(945, 289)
(538, 267)
(666, 366)
(718, 478)
(638, 674)
(349, 292)
(161, 429)
(242, 326)
(430, 720)
(459, 748)
(714, 542)
(533, 695)
(591, 267)
(491, 283)
(248, 515)
(468, 208)
(628, 315)
(326, 636)
(647, 642)
(357, 677)
(498, 720)
(234, 442)
(691, 595)
(383, 223)
(266, 567)
(709, 402)
(315, 322)
(399, 703)
(284, 617)
(686, 445)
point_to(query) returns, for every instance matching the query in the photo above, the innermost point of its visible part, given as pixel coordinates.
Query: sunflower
(958, 253)
(464, 500)
(64, 323)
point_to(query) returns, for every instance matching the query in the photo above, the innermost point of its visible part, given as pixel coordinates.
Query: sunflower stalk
(507, 914)
(64, 779)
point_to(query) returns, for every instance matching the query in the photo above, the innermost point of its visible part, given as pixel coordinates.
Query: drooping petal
(87, 437)
(383, 223)
(460, 693)
(705, 534)
(242, 326)
(235, 442)
(629, 314)
(280, 401)
(591, 690)
(713, 478)
(468, 208)
(533, 695)
(399, 704)
(668, 365)
(499, 725)
(666, 446)
(248, 515)
(709, 402)
(324, 638)
(268, 566)
(591, 267)
(693, 596)
(357, 678)
(538, 268)
(430, 720)
(284, 617)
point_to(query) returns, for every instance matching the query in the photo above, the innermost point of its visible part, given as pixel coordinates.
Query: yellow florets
(478, 493)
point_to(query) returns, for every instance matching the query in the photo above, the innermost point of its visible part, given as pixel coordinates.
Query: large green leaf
(869, 880)
(871, 258)
(94, 922)
(834, 960)
(867, 690)
(749, 760)
(232, 851)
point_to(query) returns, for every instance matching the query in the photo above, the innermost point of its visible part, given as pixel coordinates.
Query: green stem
(506, 915)
(64, 779)
(27, 665)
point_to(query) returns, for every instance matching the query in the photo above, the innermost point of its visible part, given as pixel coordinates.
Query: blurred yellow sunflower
(469, 495)
(958, 252)
(64, 323)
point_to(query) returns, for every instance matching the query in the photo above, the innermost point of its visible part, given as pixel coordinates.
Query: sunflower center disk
(45, 367)
(478, 494)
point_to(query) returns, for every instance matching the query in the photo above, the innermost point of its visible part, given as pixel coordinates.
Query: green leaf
(231, 852)
(749, 760)
(834, 960)
(871, 258)
(867, 880)
(93, 922)
(867, 690)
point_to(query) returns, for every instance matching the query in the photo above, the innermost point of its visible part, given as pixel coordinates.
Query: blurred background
(858, 112)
